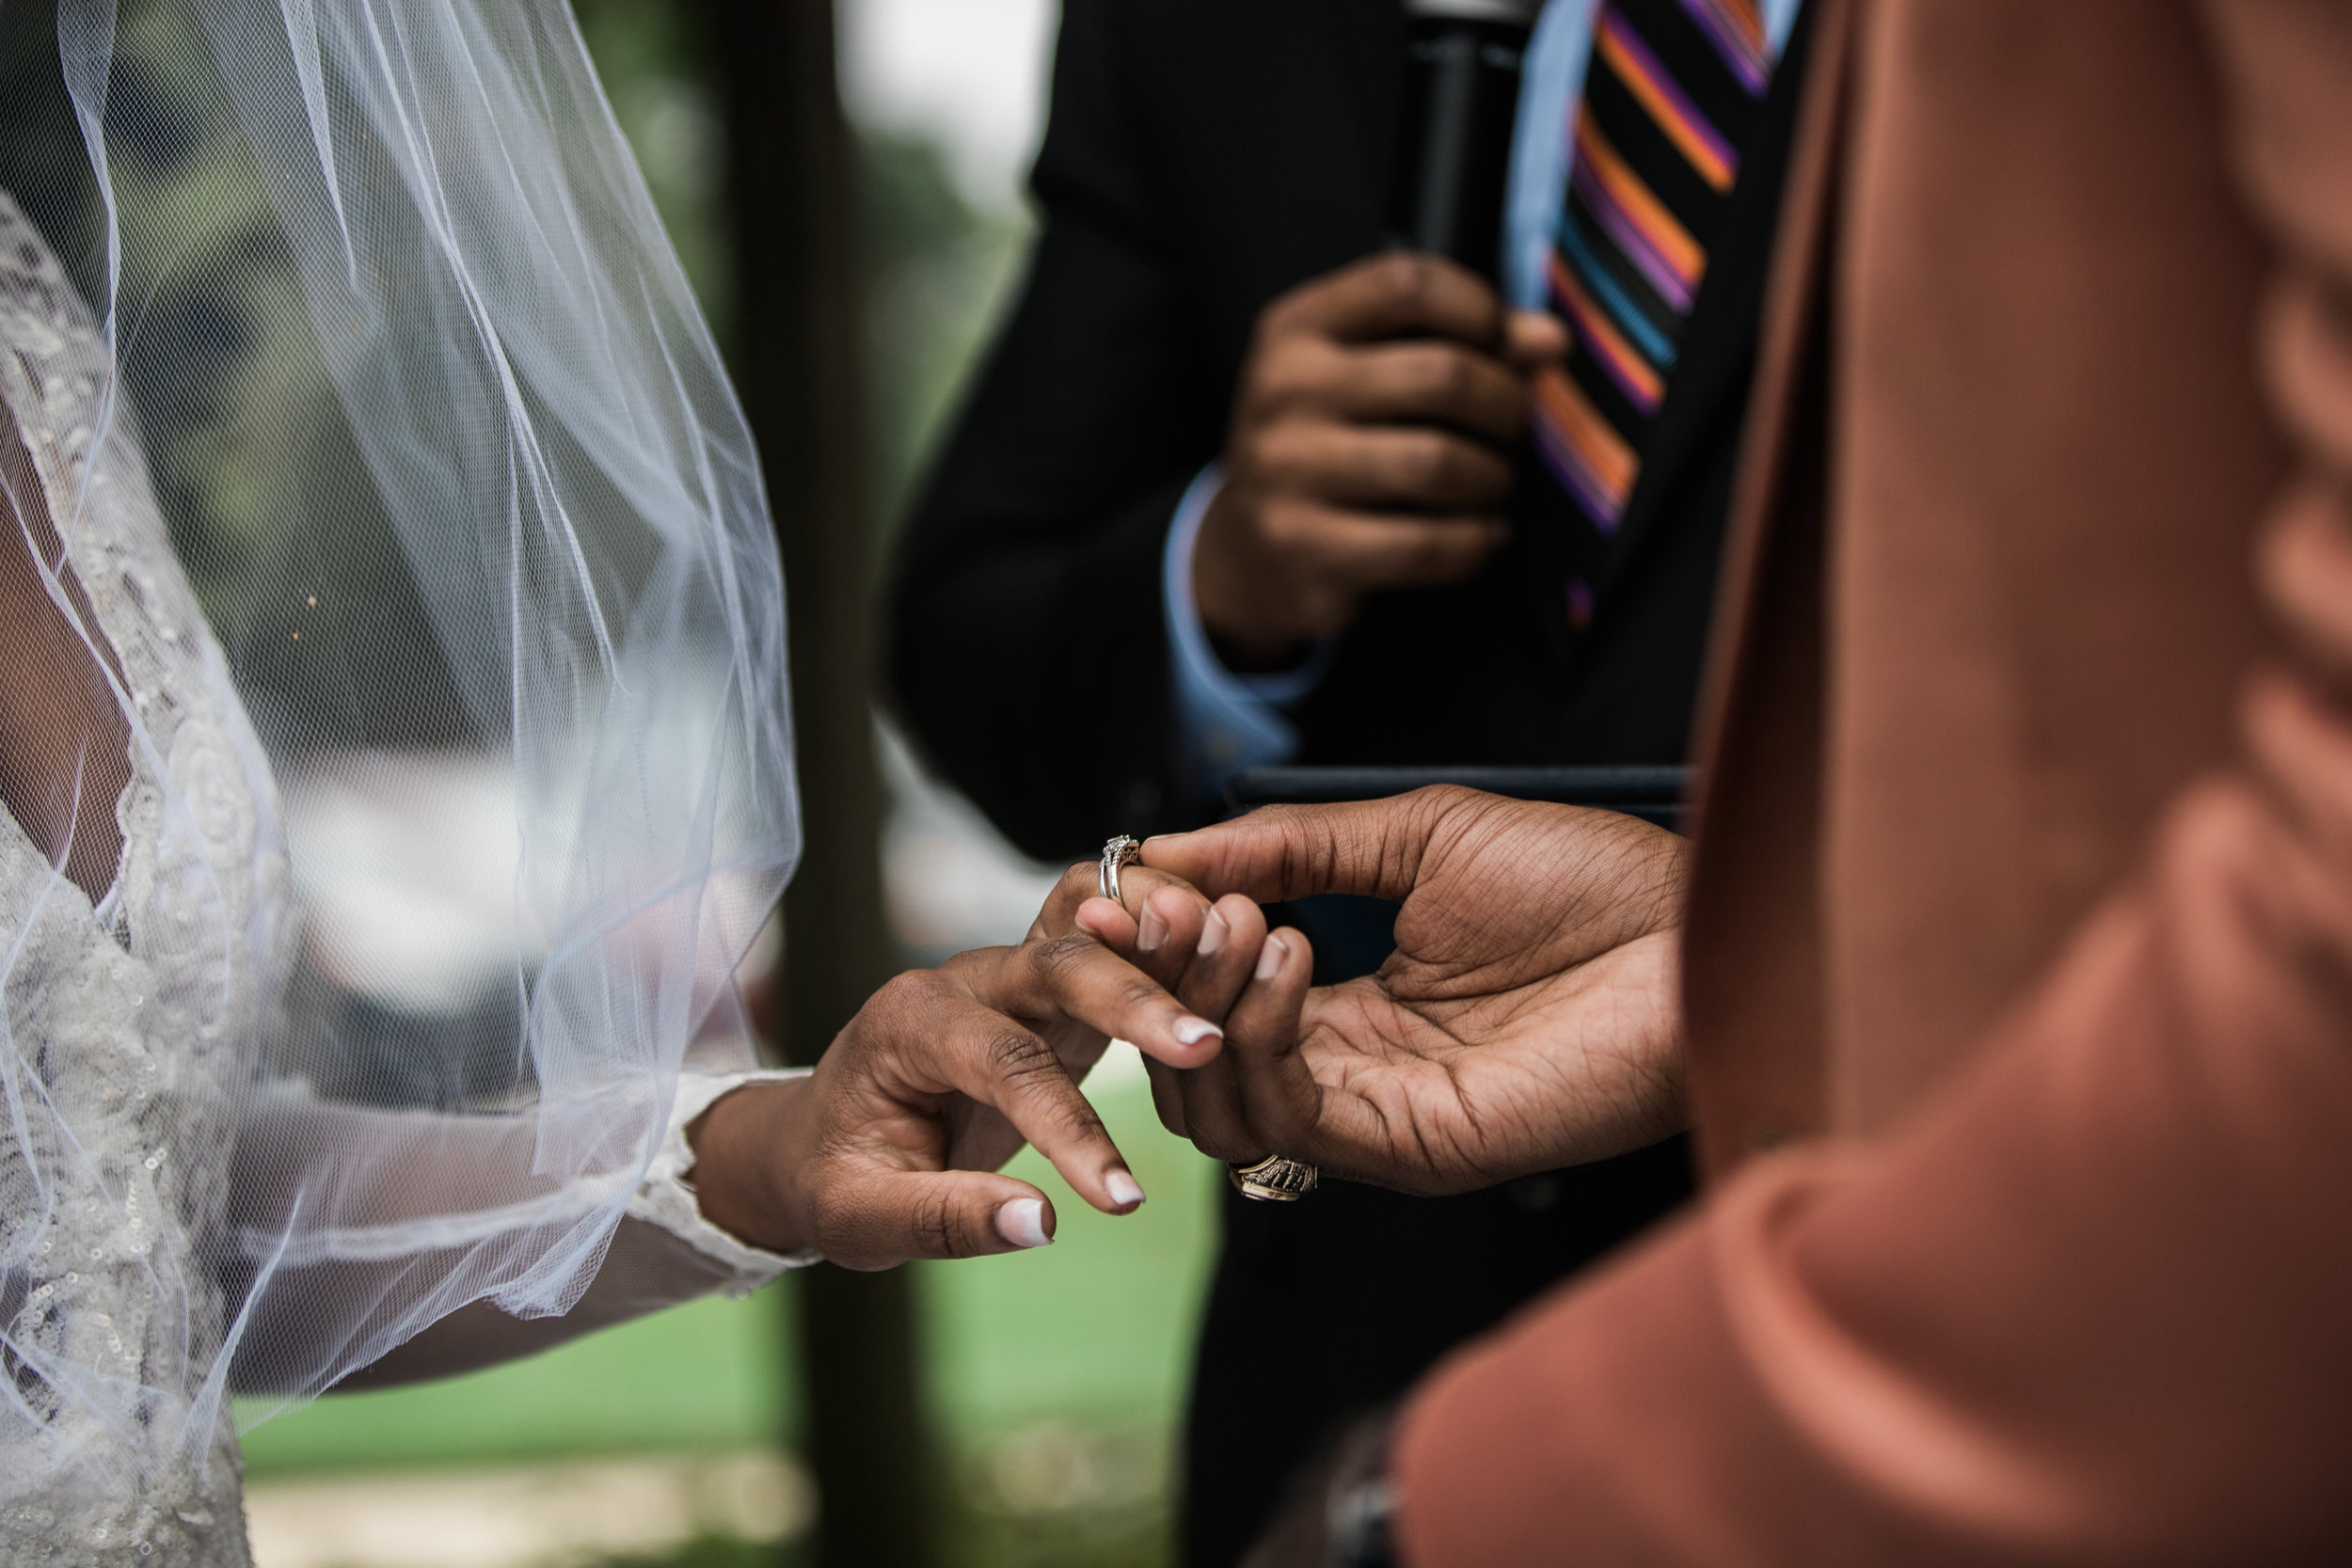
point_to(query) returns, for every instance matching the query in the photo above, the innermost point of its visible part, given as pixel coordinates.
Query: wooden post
(800, 297)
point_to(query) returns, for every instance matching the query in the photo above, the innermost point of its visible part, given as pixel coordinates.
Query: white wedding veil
(364, 439)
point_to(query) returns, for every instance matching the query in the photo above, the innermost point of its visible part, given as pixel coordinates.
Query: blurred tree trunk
(800, 297)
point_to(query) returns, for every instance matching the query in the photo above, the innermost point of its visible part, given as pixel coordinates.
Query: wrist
(1240, 595)
(746, 1147)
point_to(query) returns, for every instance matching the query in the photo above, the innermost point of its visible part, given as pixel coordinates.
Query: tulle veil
(384, 323)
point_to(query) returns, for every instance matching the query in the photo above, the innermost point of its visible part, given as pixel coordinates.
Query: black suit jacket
(1204, 156)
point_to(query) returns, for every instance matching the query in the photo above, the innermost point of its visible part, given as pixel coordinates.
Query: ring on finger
(1122, 850)
(1275, 1180)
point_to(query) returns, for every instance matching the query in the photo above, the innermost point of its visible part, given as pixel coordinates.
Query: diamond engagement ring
(1275, 1180)
(1122, 850)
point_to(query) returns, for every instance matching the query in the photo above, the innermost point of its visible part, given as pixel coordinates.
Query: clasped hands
(1527, 1020)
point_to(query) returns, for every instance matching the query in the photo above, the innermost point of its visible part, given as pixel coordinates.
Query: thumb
(1533, 339)
(882, 1217)
(1372, 848)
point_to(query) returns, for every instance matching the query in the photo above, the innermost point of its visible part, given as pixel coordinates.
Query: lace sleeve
(667, 1199)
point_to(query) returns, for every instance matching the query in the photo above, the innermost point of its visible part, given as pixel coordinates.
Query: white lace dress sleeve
(667, 1199)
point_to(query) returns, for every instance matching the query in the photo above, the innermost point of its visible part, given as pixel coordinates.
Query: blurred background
(1032, 1418)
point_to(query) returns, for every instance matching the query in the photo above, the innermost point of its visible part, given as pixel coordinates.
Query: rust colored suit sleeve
(2093, 1301)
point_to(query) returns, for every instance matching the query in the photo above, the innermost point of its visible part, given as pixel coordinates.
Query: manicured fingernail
(1270, 957)
(1150, 931)
(1213, 933)
(1192, 1031)
(1124, 1189)
(1022, 1222)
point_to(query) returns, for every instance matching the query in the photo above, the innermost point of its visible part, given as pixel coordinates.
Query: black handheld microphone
(1453, 137)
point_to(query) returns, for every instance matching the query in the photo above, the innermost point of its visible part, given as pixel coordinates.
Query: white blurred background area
(947, 98)
(967, 75)
(963, 83)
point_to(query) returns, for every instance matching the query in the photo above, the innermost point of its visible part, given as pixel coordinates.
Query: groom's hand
(1528, 1019)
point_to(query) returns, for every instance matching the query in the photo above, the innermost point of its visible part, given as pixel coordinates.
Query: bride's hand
(887, 1150)
(1201, 952)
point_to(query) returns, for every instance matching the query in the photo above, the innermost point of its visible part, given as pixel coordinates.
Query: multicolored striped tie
(1671, 92)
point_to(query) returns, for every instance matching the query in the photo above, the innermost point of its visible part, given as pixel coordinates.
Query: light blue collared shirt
(1227, 722)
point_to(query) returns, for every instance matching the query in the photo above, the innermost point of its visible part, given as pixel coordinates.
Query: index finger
(1397, 294)
(1076, 979)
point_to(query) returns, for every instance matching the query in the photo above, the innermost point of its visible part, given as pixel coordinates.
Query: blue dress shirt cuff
(1225, 723)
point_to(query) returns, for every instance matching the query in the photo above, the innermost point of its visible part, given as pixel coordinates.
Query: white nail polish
(1124, 1189)
(1192, 1031)
(1213, 933)
(1270, 957)
(1022, 1222)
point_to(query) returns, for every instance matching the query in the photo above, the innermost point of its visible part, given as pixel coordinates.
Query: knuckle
(938, 1227)
(1444, 376)
(913, 987)
(1057, 960)
(1431, 801)
(1074, 1119)
(1287, 453)
(1025, 1065)
(1075, 885)
(1016, 1057)
(1424, 461)
(1408, 275)
(1298, 369)
(902, 997)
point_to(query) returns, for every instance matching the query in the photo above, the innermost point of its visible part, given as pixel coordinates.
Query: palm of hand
(1528, 1017)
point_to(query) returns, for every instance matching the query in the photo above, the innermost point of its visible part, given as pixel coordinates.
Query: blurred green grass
(1095, 1330)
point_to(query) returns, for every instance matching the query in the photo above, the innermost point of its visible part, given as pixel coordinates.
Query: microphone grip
(1460, 102)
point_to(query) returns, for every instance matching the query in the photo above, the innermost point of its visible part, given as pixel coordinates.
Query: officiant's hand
(1368, 451)
(871, 1159)
(1528, 1019)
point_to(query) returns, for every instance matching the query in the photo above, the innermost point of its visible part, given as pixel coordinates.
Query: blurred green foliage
(1058, 1377)
(1076, 1356)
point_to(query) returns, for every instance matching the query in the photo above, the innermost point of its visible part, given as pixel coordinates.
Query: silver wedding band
(1122, 850)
